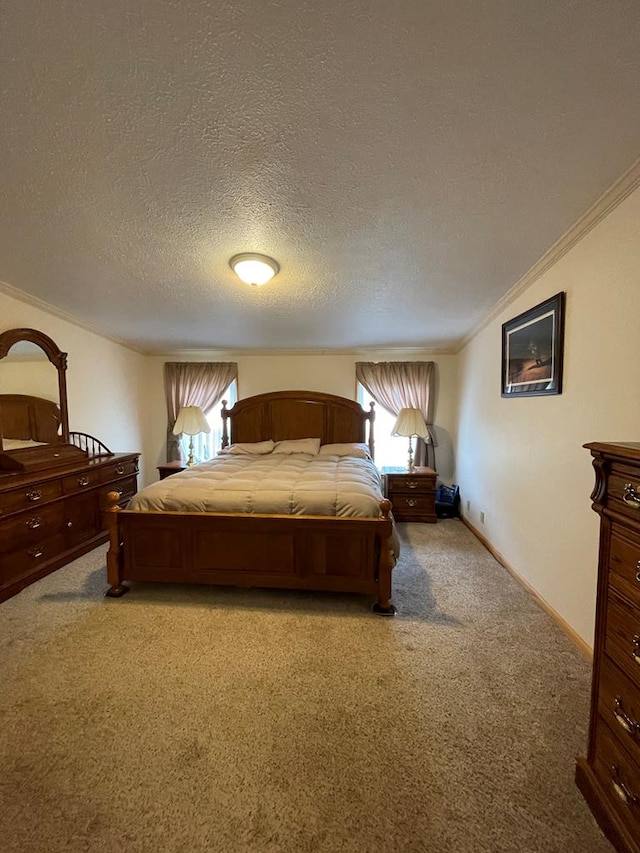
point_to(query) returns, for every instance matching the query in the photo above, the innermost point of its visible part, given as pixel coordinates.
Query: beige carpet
(207, 719)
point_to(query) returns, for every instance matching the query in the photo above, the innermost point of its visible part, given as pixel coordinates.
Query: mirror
(33, 391)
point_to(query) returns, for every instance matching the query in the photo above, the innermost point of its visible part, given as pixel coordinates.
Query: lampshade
(254, 269)
(410, 422)
(191, 420)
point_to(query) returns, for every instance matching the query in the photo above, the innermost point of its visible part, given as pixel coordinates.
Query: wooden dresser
(412, 494)
(609, 777)
(51, 516)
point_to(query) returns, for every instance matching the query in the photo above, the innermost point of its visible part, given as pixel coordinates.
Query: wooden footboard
(284, 551)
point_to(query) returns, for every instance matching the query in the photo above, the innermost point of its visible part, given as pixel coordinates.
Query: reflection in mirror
(34, 422)
(29, 398)
(26, 369)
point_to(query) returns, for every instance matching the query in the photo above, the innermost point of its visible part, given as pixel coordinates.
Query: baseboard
(575, 638)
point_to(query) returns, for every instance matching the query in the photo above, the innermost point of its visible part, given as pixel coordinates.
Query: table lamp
(409, 423)
(191, 421)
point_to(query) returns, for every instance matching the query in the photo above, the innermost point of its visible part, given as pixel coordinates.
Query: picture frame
(532, 350)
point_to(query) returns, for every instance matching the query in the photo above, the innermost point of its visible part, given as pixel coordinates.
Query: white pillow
(355, 449)
(298, 445)
(249, 448)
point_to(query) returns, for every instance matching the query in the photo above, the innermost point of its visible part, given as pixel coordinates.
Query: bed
(28, 421)
(270, 544)
(31, 435)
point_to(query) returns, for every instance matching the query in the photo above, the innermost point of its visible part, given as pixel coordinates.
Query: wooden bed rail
(321, 553)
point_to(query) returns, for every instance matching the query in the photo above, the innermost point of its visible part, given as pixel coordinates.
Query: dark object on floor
(447, 501)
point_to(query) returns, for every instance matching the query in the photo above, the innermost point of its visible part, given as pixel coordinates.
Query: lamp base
(410, 464)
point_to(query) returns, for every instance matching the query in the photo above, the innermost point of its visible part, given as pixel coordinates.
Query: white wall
(521, 461)
(333, 374)
(104, 379)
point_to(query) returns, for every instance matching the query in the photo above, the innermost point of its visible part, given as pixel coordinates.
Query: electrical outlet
(481, 518)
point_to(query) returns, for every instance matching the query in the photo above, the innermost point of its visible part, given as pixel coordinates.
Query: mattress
(274, 484)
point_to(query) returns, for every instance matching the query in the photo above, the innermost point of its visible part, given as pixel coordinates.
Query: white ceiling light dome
(253, 268)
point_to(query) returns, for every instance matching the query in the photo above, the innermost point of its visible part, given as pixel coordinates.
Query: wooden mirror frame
(57, 358)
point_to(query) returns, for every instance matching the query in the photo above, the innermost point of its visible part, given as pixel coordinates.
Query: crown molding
(362, 352)
(607, 202)
(200, 354)
(604, 205)
(28, 299)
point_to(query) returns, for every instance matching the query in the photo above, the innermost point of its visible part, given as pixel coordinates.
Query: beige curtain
(404, 384)
(193, 383)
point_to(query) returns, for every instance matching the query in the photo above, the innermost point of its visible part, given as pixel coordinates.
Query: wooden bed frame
(284, 551)
(36, 419)
(30, 418)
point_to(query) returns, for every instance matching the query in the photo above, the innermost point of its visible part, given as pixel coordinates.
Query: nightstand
(412, 494)
(169, 468)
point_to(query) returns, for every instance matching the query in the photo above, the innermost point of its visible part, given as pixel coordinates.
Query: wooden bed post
(383, 606)
(114, 554)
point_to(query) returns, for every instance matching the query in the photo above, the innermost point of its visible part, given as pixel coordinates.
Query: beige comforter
(274, 484)
(296, 484)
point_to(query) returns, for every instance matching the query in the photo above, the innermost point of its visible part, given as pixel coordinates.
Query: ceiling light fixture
(254, 269)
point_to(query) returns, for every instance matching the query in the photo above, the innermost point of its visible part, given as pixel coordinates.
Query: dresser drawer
(124, 468)
(409, 484)
(411, 507)
(624, 564)
(29, 496)
(623, 491)
(27, 559)
(622, 637)
(80, 482)
(126, 488)
(29, 528)
(619, 777)
(619, 705)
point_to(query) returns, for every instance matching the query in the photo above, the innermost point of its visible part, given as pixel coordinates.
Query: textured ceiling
(406, 163)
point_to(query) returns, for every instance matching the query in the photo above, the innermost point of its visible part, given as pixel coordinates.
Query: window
(207, 445)
(390, 451)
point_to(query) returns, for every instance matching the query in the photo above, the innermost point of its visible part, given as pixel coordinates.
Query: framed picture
(532, 345)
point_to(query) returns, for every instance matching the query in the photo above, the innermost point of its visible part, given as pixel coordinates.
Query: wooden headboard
(29, 418)
(298, 414)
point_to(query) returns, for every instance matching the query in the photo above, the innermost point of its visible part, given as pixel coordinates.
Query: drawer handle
(119, 469)
(83, 481)
(623, 719)
(119, 490)
(630, 496)
(635, 654)
(35, 552)
(411, 502)
(35, 495)
(621, 789)
(34, 523)
(413, 484)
